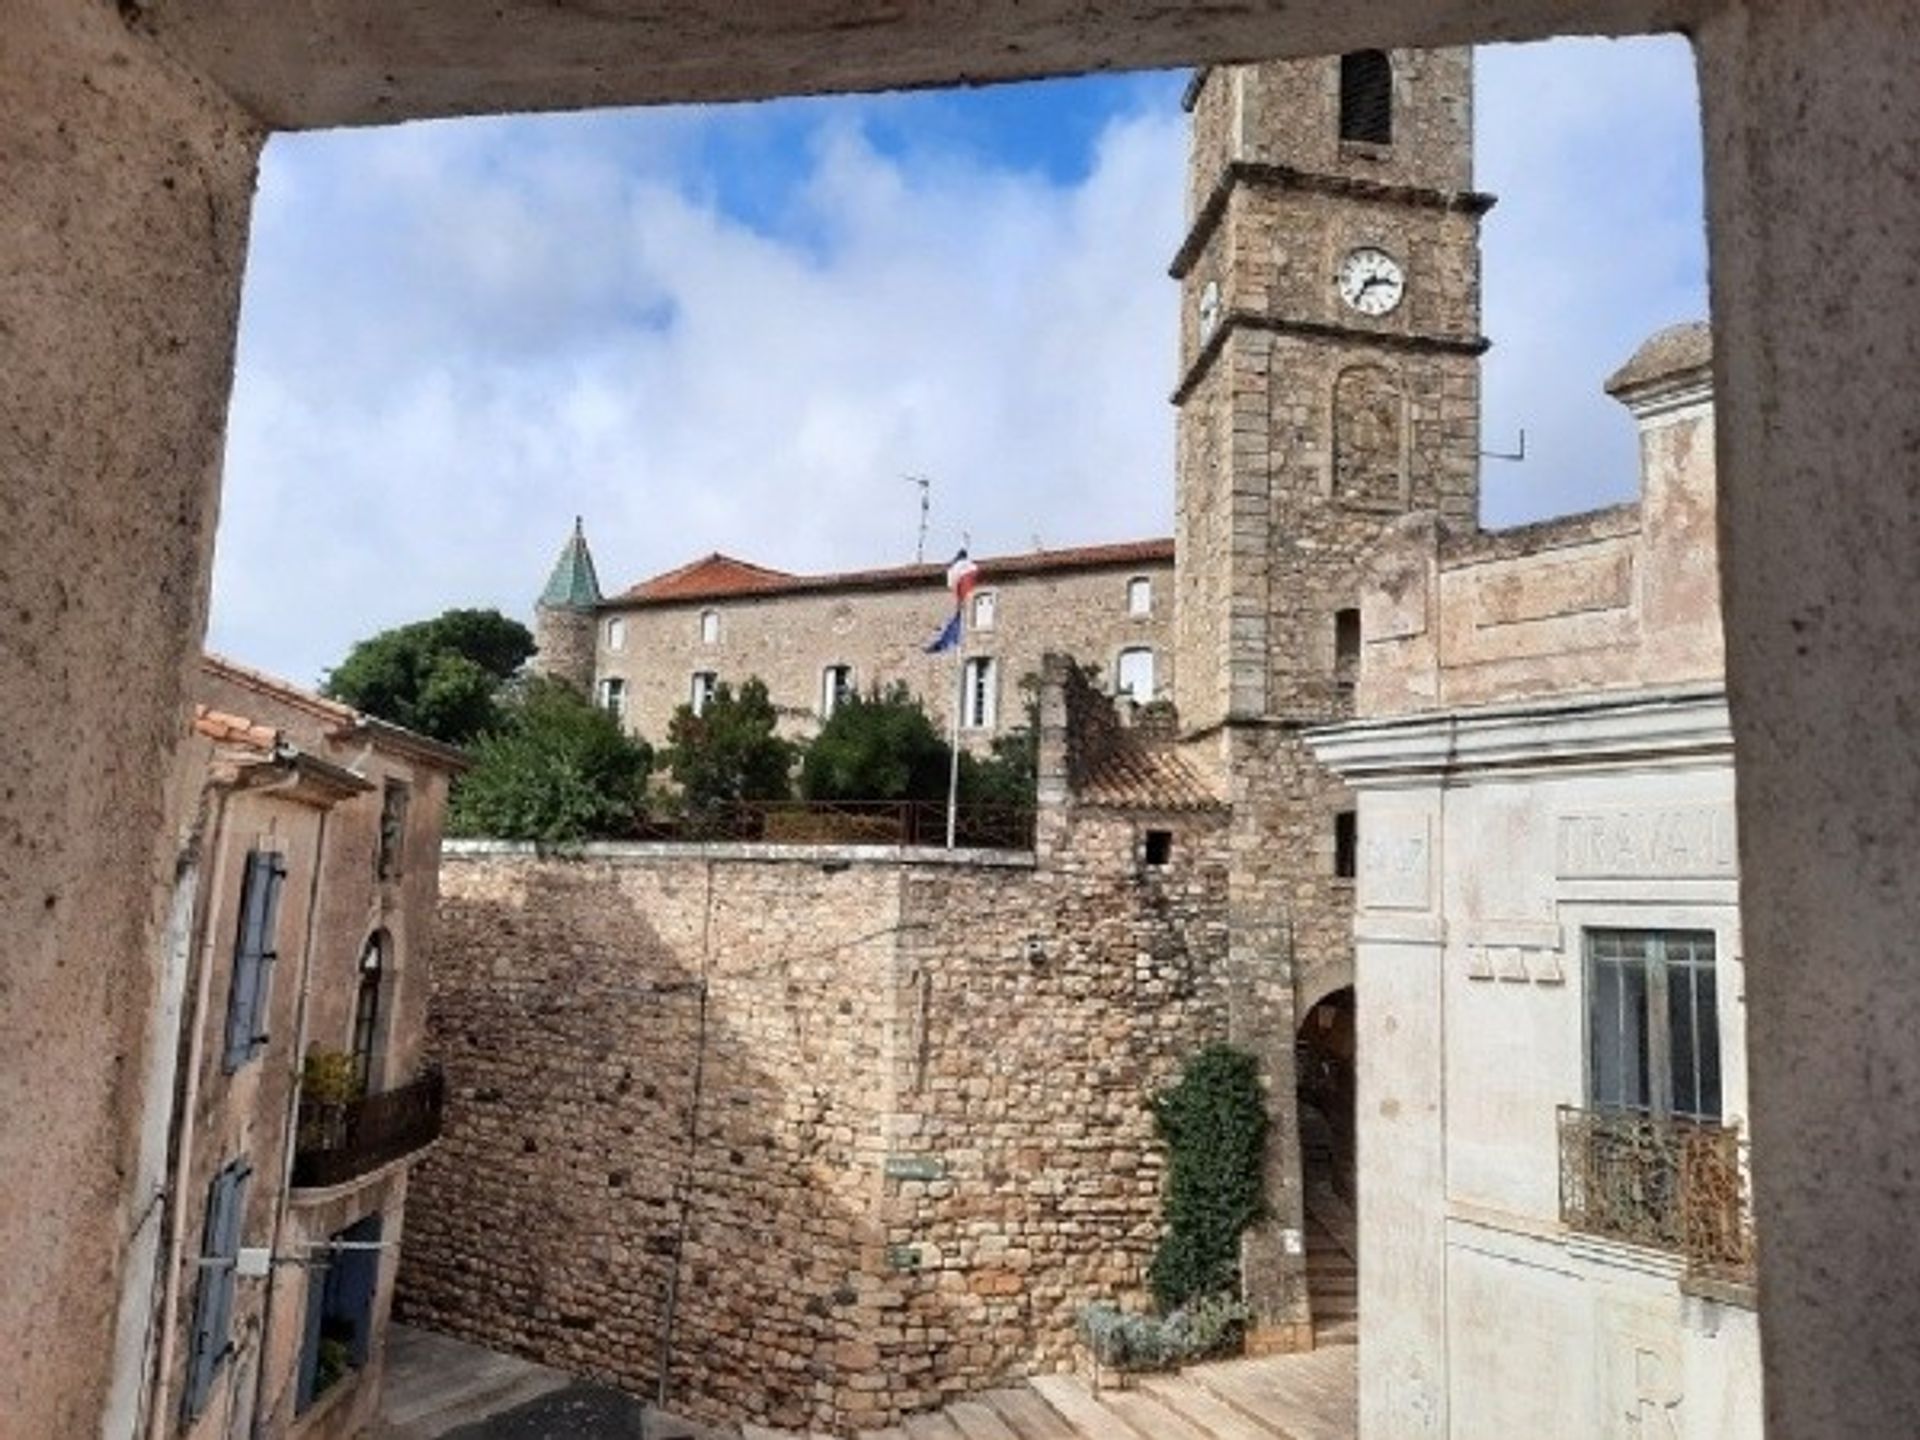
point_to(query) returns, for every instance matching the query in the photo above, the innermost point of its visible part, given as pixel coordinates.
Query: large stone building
(295, 1006)
(668, 641)
(1553, 1089)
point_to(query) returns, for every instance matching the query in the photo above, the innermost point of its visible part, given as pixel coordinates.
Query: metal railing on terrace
(338, 1141)
(849, 822)
(1661, 1181)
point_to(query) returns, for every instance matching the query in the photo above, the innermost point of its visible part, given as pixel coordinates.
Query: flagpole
(953, 758)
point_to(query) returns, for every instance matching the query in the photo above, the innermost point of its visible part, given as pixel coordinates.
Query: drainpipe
(186, 1088)
(291, 1134)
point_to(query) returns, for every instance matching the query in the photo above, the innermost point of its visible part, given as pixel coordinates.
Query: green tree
(880, 746)
(441, 677)
(729, 753)
(557, 768)
(1214, 1125)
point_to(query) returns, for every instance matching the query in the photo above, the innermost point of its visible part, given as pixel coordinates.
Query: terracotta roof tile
(721, 577)
(227, 729)
(1135, 775)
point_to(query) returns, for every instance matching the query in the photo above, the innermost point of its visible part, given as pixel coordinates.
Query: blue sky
(738, 327)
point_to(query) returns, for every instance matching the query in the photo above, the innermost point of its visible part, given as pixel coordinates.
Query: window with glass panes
(1653, 1028)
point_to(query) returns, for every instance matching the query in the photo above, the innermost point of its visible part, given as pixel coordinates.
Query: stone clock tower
(1329, 384)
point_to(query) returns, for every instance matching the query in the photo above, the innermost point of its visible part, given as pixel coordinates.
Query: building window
(709, 627)
(1346, 845)
(1346, 647)
(1133, 677)
(1158, 849)
(366, 1009)
(340, 1292)
(613, 696)
(212, 1339)
(836, 685)
(616, 633)
(253, 957)
(1653, 1027)
(1140, 596)
(393, 829)
(977, 694)
(1366, 97)
(984, 604)
(705, 682)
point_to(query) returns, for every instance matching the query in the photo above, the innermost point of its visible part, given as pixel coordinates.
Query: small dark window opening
(366, 1011)
(1366, 97)
(1346, 647)
(1159, 847)
(1346, 845)
(393, 828)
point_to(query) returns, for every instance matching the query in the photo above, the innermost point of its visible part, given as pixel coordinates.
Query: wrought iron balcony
(1664, 1182)
(340, 1141)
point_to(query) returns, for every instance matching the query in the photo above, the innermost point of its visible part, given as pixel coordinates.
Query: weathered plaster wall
(365, 62)
(922, 1139)
(1624, 598)
(1482, 1314)
(128, 184)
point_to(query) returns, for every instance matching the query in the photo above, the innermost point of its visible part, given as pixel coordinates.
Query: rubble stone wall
(906, 1138)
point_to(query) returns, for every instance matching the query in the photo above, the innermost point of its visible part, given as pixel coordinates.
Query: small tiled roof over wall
(1121, 767)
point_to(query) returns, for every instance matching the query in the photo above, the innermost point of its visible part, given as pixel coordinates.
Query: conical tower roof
(573, 585)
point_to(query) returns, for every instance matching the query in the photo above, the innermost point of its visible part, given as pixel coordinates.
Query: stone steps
(1284, 1397)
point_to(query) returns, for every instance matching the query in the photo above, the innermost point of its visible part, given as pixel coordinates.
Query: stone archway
(1324, 1069)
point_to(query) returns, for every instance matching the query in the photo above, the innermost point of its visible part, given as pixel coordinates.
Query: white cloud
(458, 336)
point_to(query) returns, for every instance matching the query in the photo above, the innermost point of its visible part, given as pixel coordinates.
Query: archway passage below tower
(1324, 1065)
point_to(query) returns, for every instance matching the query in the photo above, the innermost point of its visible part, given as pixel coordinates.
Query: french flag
(962, 576)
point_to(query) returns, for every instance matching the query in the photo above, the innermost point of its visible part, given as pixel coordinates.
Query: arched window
(1366, 97)
(366, 1008)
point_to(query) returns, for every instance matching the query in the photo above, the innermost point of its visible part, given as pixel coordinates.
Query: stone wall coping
(637, 852)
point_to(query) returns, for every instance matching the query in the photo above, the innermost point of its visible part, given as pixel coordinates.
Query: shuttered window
(253, 957)
(1366, 97)
(213, 1298)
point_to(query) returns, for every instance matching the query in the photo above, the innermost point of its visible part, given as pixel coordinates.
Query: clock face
(1371, 281)
(1209, 309)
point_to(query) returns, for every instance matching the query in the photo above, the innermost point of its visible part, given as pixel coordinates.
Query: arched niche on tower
(1369, 414)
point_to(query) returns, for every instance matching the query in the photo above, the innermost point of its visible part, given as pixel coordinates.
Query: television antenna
(926, 509)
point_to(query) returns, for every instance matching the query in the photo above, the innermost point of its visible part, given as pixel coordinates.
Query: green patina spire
(573, 584)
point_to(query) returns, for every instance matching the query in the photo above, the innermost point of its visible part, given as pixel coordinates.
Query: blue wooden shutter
(213, 1297)
(253, 953)
(273, 876)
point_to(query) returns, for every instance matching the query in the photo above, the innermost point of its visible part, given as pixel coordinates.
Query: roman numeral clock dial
(1371, 281)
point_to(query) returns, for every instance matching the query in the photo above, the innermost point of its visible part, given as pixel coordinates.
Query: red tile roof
(1140, 775)
(721, 577)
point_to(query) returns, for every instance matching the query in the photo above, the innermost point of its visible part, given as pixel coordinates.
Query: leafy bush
(1214, 1125)
(880, 746)
(728, 753)
(1122, 1341)
(441, 677)
(327, 1078)
(559, 769)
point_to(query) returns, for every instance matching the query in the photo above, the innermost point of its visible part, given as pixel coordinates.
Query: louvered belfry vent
(1366, 97)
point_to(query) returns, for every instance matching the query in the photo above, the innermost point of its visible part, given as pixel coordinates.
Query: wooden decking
(1286, 1397)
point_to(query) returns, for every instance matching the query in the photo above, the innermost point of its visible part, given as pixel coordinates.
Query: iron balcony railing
(1669, 1183)
(849, 822)
(340, 1141)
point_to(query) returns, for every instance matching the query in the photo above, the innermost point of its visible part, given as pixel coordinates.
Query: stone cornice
(1593, 729)
(1317, 330)
(1261, 172)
